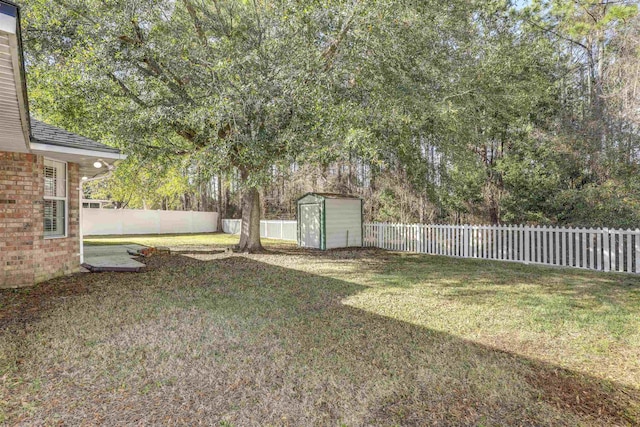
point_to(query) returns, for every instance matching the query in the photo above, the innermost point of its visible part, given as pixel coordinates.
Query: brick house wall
(26, 257)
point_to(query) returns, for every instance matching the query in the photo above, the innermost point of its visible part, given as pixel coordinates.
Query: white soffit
(8, 16)
(84, 158)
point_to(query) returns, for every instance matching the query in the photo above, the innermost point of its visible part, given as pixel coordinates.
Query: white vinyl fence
(600, 249)
(231, 226)
(269, 229)
(593, 249)
(99, 222)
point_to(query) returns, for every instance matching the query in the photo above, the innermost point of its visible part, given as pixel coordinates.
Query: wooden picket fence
(594, 249)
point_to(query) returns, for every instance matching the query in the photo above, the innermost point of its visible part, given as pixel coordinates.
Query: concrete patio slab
(111, 258)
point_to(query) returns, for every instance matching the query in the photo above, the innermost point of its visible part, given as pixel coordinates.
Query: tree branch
(330, 52)
(127, 91)
(196, 22)
(555, 33)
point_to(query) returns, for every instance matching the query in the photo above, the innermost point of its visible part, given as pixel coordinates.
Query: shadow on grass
(344, 363)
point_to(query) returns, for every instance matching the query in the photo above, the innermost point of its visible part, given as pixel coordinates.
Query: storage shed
(328, 221)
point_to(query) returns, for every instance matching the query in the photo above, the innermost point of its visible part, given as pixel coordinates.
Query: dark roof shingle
(47, 134)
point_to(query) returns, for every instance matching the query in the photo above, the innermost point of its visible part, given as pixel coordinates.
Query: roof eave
(84, 158)
(44, 147)
(20, 74)
(23, 79)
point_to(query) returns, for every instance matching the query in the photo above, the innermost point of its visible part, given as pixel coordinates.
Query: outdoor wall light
(97, 164)
(84, 178)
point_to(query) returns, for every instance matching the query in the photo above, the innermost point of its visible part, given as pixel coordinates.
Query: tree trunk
(219, 203)
(494, 204)
(250, 231)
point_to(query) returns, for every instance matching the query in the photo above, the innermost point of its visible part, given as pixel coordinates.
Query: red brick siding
(26, 257)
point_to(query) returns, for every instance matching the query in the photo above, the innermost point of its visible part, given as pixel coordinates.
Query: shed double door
(310, 226)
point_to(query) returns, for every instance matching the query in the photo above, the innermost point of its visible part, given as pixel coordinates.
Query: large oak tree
(241, 85)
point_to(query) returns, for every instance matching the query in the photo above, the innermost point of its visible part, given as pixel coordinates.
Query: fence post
(494, 242)
(590, 241)
(527, 254)
(474, 241)
(539, 244)
(511, 243)
(485, 242)
(403, 237)
(465, 241)
(576, 244)
(521, 242)
(515, 253)
(637, 245)
(629, 236)
(606, 245)
(554, 241)
(620, 249)
(583, 264)
(620, 256)
(394, 236)
(637, 251)
(612, 250)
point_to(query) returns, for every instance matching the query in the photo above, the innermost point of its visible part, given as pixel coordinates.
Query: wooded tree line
(463, 112)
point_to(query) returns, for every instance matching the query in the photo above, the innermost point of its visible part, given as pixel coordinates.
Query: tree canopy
(466, 111)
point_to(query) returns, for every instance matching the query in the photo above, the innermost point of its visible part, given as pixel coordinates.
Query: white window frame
(65, 199)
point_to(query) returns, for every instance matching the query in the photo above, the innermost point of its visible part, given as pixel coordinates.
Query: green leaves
(471, 107)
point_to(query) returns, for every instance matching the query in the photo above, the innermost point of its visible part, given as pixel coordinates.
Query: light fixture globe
(97, 164)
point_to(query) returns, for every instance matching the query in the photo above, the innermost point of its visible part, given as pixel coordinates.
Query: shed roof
(330, 196)
(48, 134)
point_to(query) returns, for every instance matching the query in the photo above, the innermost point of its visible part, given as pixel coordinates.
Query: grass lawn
(361, 337)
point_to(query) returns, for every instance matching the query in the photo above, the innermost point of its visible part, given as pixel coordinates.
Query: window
(55, 198)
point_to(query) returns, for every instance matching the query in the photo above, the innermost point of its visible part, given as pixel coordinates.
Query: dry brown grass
(295, 338)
